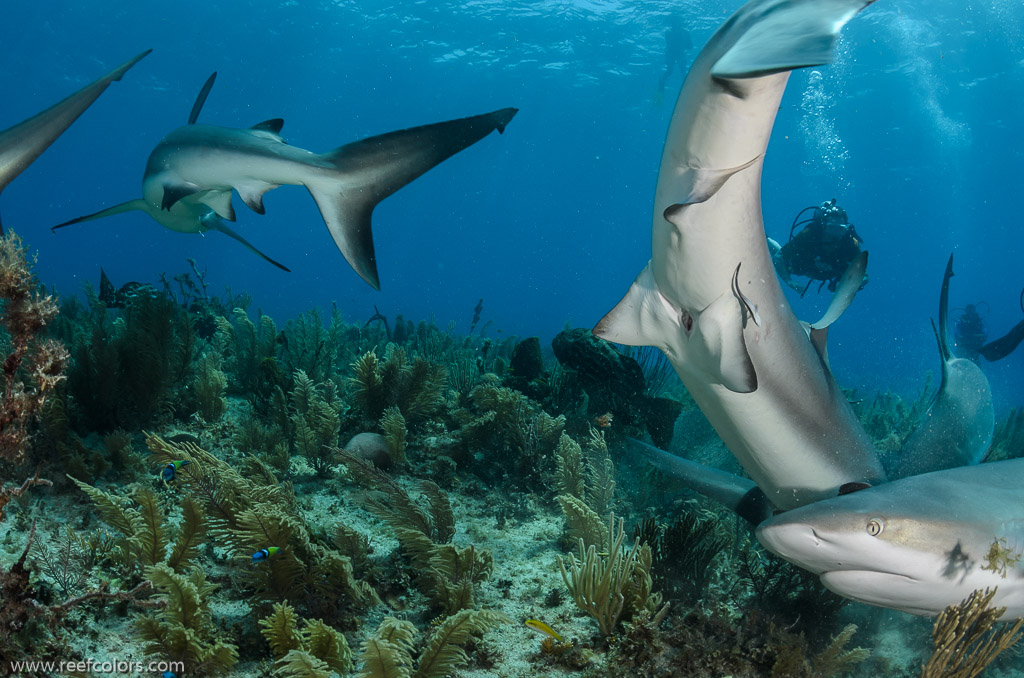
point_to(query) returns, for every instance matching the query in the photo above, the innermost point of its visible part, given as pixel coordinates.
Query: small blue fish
(168, 674)
(168, 471)
(263, 554)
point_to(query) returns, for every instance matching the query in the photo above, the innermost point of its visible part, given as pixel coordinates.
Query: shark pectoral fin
(252, 195)
(642, 318)
(719, 346)
(213, 223)
(785, 36)
(218, 201)
(367, 171)
(846, 290)
(175, 192)
(130, 206)
(698, 185)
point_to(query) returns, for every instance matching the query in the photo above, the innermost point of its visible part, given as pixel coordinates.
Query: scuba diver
(677, 48)
(820, 247)
(970, 336)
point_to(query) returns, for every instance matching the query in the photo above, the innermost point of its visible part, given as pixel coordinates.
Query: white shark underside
(709, 298)
(917, 544)
(21, 144)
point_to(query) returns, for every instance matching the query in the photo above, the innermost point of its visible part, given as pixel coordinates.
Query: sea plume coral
(31, 368)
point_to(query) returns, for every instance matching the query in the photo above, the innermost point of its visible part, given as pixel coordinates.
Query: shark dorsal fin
(201, 99)
(273, 126)
(942, 332)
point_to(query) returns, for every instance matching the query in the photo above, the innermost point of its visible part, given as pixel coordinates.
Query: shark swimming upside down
(710, 298)
(192, 173)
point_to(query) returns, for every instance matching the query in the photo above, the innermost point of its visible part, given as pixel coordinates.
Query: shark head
(916, 545)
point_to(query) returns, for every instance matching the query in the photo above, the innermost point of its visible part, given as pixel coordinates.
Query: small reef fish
(263, 554)
(541, 627)
(168, 472)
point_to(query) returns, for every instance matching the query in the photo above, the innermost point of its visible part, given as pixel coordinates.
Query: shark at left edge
(21, 144)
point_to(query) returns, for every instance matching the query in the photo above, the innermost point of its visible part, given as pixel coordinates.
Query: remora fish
(917, 544)
(22, 144)
(957, 428)
(709, 298)
(189, 178)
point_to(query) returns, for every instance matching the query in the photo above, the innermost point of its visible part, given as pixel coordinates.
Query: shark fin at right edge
(781, 36)
(130, 206)
(369, 170)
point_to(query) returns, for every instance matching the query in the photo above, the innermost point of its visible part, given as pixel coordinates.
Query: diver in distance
(820, 248)
(971, 337)
(677, 48)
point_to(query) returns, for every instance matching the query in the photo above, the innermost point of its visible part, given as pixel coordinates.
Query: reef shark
(21, 144)
(957, 427)
(917, 544)
(709, 297)
(192, 173)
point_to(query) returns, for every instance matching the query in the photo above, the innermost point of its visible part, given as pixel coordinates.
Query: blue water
(915, 129)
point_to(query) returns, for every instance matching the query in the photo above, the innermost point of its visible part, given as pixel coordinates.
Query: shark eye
(875, 527)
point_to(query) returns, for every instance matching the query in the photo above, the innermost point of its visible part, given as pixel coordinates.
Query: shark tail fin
(130, 206)
(370, 170)
(782, 36)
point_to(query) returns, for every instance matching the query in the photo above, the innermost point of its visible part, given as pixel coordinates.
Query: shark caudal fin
(26, 141)
(372, 169)
(782, 35)
(846, 290)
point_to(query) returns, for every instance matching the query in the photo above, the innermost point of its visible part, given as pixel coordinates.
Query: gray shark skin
(709, 298)
(196, 168)
(917, 544)
(957, 428)
(739, 495)
(22, 144)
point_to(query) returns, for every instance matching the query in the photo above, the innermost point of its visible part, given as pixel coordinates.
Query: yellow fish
(541, 627)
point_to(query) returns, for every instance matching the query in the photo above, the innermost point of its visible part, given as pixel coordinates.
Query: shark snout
(796, 542)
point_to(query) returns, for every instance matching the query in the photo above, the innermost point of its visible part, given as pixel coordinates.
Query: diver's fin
(736, 493)
(1003, 346)
(786, 35)
(215, 224)
(201, 98)
(370, 170)
(130, 206)
(846, 290)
